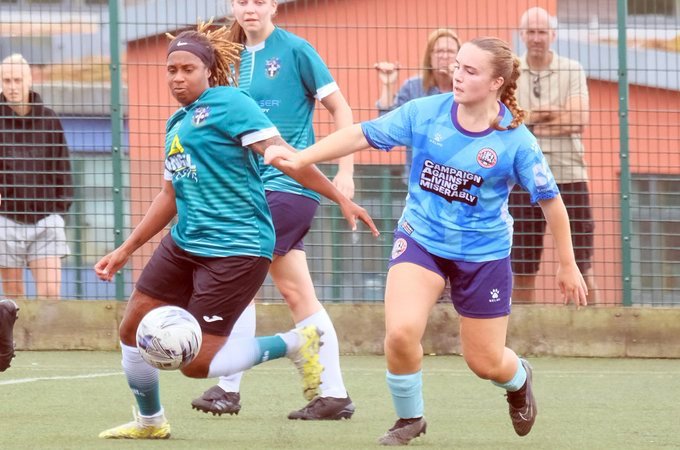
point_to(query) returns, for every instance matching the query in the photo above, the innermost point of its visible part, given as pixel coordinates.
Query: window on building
(652, 7)
(655, 243)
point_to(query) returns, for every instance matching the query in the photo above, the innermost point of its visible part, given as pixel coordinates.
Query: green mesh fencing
(100, 66)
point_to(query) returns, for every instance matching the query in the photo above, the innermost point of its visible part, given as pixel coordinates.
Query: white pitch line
(65, 377)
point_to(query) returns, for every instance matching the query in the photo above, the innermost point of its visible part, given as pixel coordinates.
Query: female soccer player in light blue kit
(217, 255)
(469, 150)
(286, 77)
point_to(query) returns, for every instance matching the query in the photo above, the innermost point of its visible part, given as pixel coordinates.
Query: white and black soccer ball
(169, 337)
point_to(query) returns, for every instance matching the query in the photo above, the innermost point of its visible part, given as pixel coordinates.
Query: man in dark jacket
(35, 184)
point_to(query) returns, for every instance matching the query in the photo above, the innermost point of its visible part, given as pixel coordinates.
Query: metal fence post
(624, 152)
(116, 137)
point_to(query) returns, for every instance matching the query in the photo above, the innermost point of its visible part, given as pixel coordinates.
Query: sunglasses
(537, 87)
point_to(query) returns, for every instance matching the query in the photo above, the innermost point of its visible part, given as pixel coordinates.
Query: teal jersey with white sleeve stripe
(458, 188)
(221, 205)
(285, 76)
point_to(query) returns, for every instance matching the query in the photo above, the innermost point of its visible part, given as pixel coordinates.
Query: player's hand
(277, 154)
(110, 264)
(345, 183)
(387, 72)
(572, 285)
(351, 211)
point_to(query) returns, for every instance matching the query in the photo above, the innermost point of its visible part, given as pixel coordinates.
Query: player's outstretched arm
(340, 143)
(569, 278)
(159, 214)
(312, 178)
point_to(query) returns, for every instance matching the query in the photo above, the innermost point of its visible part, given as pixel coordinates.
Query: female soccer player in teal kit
(217, 255)
(286, 77)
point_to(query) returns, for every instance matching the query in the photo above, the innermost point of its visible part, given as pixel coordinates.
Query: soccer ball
(169, 337)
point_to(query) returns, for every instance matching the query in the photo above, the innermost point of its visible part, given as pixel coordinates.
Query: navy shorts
(529, 228)
(479, 290)
(214, 290)
(292, 215)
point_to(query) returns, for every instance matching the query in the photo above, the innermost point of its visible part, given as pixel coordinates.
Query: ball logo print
(169, 337)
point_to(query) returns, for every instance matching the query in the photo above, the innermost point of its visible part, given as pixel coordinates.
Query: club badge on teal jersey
(272, 67)
(201, 113)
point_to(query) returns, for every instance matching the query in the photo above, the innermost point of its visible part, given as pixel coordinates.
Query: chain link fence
(100, 66)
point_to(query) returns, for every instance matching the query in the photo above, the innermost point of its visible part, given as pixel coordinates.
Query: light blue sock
(517, 381)
(142, 379)
(407, 394)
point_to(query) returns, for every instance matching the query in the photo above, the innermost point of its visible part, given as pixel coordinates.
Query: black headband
(186, 44)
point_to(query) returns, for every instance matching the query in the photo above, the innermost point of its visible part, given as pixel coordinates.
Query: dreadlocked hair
(505, 64)
(226, 52)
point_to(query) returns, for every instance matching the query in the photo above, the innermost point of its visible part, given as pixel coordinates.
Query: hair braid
(509, 98)
(227, 53)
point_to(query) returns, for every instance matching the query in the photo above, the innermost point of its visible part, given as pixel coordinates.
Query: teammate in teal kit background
(218, 253)
(286, 76)
(469, 150)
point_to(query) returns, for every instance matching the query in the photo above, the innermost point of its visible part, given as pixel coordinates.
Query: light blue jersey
(457, 203)
(286, 76)
(221, 204)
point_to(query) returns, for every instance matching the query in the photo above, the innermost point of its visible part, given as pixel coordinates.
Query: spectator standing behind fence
(36, 185)
(554, 91)
(435, 77)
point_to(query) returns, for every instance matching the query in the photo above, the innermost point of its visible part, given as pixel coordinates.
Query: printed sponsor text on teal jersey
(221, 204)
(284, 74)
(457, 205)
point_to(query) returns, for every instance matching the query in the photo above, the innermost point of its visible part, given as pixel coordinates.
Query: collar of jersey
(261, 45)
(459, 127)
(256, 47)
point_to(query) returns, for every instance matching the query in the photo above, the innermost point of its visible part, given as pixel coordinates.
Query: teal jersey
(221, 205)
(285, 76)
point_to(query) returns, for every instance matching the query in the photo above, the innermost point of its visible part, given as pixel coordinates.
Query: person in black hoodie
(35, 184)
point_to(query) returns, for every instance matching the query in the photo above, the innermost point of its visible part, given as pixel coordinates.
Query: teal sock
(238, 355)
(143, 381)
(271, 347)
(407, 394)
(517, 381)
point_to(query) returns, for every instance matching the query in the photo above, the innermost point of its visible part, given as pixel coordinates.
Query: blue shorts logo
(399, 248)
(272, 67)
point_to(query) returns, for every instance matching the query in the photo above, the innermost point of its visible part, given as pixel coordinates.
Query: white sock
(329, 355)
(292, 340)
(243, 328)
(235, 356)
